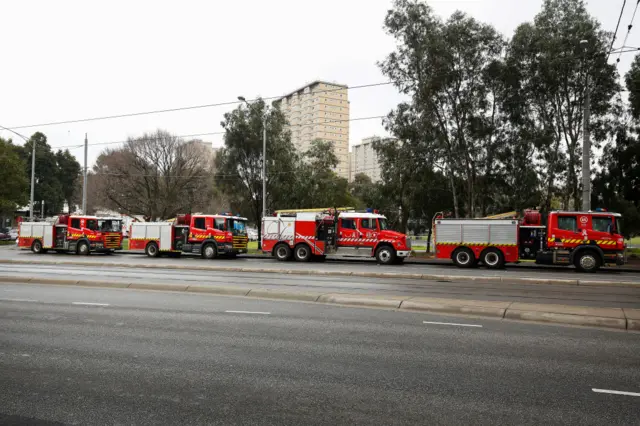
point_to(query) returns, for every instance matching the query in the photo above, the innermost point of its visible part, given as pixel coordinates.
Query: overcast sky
(66, 60)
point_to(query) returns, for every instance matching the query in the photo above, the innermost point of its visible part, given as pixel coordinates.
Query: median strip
(617, 318)
(366, 274)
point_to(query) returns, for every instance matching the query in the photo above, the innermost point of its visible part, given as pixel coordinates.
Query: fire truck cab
(304, 234)
(206, 235)
(587, 240)
(70, 233)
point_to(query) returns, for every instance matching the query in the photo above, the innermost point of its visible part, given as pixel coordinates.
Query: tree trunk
(453, 192)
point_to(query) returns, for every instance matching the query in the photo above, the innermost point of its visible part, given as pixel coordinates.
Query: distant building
(363, 158)
(319, 110)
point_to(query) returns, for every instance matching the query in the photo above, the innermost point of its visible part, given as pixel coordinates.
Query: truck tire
(587, 261)
(209, 251)
(493, 258)
(83, 249)
(152, 250)
(36, 247)
(282, 252)
(463, 258)
(386, 255)
(302, 253)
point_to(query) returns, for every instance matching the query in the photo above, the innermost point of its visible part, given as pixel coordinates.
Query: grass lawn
(252, 248)
(635, 241)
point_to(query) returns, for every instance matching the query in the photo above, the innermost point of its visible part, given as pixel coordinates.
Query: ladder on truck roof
(316, 210)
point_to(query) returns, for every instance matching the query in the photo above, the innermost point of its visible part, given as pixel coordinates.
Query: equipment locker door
(48, 237)
(165, 237)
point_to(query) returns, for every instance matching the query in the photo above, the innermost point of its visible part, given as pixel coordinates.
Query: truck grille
(112, 241)
(240, 242)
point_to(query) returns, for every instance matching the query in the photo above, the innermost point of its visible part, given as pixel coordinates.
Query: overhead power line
(195, 135)
(192, 107)
(626, 37)
(615, 33)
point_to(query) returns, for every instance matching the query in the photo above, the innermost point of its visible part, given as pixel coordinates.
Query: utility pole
(84, 180)
(42, 211)
(586, 143)
(264, 164)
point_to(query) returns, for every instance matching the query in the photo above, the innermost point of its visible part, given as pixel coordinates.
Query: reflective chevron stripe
(310, 240)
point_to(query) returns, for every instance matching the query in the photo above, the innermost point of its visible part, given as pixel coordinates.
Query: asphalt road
(359, 266)
(603, 296)
(108, 356)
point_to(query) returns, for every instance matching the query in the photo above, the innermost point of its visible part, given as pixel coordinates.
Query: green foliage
(548, 68)
(632, 81)
(48, 186)
(500, 122)
(448, 69)
(15, 184)
(617, 185)
(239, 164)
(319, 185)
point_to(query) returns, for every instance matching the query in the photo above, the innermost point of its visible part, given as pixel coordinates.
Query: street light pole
(33, 180)
(264, 165)
(586, 142)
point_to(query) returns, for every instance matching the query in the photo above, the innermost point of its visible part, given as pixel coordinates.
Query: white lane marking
(615, 392)
(89, 303)
(17, 300)
(248, 312)
(451, 323)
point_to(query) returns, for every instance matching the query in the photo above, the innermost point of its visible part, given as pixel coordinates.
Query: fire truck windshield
(237, 227)
(383, 224)
(109, 225)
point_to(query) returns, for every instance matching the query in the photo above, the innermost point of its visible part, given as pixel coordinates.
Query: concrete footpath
(611, 318)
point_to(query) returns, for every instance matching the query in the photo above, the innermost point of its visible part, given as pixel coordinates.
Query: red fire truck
(304, 234)
(586, 240)
(207, 235)
(71, 233)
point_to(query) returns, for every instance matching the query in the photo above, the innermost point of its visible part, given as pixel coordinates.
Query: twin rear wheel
(492, 258)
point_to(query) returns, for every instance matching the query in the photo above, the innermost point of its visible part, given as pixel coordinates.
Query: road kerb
(306, 296)
(14, 279)
(230, 291)
(609, 283)
(531, 280)
(633, 318)
(469, 307)
(361, 300)
(157, 286)
(570, 319)
(108, 284)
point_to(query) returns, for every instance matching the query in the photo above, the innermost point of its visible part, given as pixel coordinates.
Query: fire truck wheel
(587, 261)
(152, 250)
(83, 249)
(302, 253)
(282, 252)
(36, 247)
(386, 255)
(493, 258)
(464, 258)
(209, 251)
